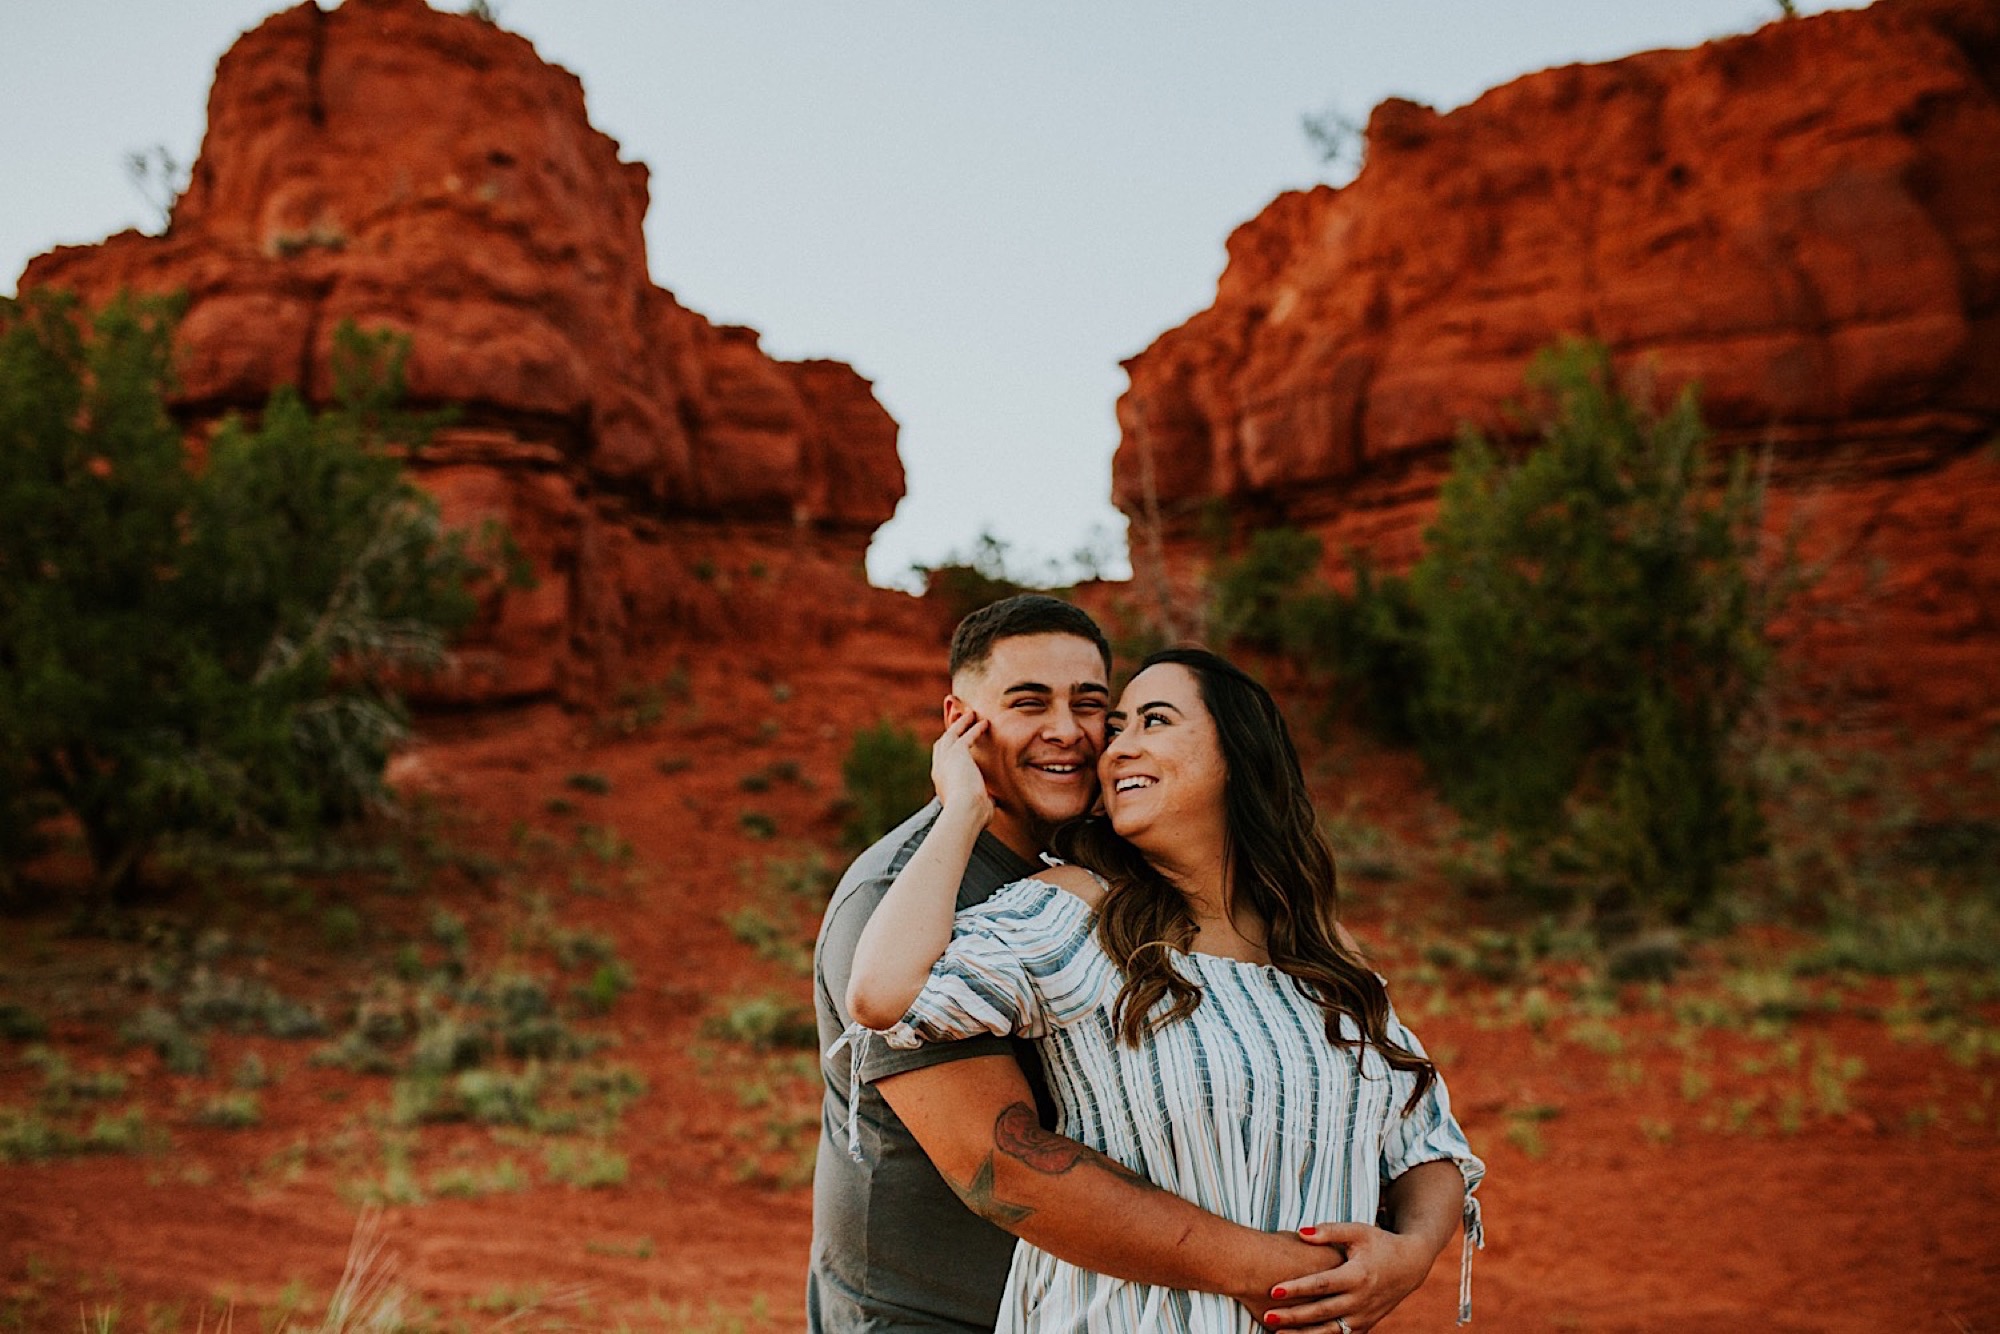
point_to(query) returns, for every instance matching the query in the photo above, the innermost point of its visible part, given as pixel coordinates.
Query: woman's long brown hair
(1277, 861)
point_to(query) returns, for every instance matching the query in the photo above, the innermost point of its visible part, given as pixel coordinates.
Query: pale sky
(982, 205)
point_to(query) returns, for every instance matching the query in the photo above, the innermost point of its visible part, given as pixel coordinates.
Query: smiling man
(933, 1160)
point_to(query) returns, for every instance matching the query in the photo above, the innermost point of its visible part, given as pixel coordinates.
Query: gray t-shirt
(893, 1248)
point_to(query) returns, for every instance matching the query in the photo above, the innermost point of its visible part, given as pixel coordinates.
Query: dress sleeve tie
(1475, 1240)
(853, 1039)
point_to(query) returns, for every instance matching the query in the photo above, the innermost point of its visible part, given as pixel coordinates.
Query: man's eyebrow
(1028, 688)
(1091, 688)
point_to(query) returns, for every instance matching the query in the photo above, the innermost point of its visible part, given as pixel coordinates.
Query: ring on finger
(1340, 1323)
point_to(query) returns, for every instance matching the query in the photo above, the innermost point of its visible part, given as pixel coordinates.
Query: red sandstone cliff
(427, 172)
(1805, 220)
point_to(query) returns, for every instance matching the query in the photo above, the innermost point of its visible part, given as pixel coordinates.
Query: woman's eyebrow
(1159, 704)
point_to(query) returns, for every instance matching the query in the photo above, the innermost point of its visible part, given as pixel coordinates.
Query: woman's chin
(1129, 829)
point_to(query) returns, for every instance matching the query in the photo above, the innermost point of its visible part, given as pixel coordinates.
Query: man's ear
(954, 709)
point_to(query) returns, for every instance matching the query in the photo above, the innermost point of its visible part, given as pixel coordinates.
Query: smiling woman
(1162, 767)
(1200, 1014)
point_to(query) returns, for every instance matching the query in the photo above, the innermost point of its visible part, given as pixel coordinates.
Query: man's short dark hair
(1024, 614)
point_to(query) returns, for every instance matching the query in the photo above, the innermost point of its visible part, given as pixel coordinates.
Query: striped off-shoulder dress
(1244, 1108)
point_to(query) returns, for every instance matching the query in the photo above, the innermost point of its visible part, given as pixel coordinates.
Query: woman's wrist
(965, 815)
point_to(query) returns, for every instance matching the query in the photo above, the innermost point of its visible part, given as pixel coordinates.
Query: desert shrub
(967, 581)
(572, 947)
(1373, 639)
(20, 1024)
(608, 983)
(809, 876)
(585, 1166)
(765, 1021)
(1592, 642)
(207, 649)
(28, 1134)
(886, 776)
(229, 1111)
(1269, 596)
(65, 1088)
(604, 843)
(1366, 644)
(183, 1052)
(1576, 654)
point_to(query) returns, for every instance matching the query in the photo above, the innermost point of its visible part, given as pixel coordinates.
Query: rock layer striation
(1803, 221)
(426, 172)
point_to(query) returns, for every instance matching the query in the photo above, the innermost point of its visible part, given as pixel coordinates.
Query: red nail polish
(1271, 1319)
(1277, 1294)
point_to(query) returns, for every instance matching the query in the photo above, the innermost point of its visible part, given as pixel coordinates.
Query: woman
(1201, 1015)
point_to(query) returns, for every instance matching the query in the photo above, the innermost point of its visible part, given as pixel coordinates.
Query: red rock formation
(1804, 220)
(427, 172)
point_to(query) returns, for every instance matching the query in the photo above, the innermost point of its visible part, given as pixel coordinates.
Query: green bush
(763, 1022)
(886, 776)
(965, 582)
(1269, 597)
(207, 649)
(20, 1024)
(1591, 632)
(229, 1111)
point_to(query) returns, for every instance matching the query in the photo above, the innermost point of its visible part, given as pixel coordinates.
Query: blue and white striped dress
(1245, 1107)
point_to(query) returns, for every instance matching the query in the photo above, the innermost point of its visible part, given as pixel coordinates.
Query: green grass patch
(586, 1166)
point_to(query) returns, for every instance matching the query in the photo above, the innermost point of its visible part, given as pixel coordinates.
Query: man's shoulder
(889, 853)
(861, 889)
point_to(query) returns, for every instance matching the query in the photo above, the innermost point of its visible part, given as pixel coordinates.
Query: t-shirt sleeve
(1010, 970)
(1428, 1132)
(877, 1060)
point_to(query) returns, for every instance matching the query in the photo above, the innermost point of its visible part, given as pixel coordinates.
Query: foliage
(204, 649)
(1269, 597)
(1591, 641)
(764, 1021)
(886, 776)
(1577, 654)
(160, 178)
(965, 582)
(1337, 139)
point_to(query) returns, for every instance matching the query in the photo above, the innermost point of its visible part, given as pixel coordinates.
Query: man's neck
(1020, 837)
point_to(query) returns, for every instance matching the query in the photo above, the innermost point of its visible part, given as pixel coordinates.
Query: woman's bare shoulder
(1074, 880)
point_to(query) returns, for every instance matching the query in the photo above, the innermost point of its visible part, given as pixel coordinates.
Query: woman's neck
(1222, 925)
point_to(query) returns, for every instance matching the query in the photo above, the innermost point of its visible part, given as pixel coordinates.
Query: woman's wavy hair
(1278, 862)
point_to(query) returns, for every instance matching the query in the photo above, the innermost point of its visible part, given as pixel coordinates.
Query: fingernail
(1271, 1319)
(1307, 1231)
(1277, 1294)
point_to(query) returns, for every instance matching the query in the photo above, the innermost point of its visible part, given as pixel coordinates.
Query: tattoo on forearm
(979, 1197)
(1018, 1134)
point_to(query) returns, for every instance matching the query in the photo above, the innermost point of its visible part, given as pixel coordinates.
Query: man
(932, 1161)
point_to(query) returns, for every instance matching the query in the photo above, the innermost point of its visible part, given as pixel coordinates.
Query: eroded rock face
(427, 172)
(1805, 221)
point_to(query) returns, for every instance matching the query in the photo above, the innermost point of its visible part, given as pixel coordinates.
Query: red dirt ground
(1648, 1171)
